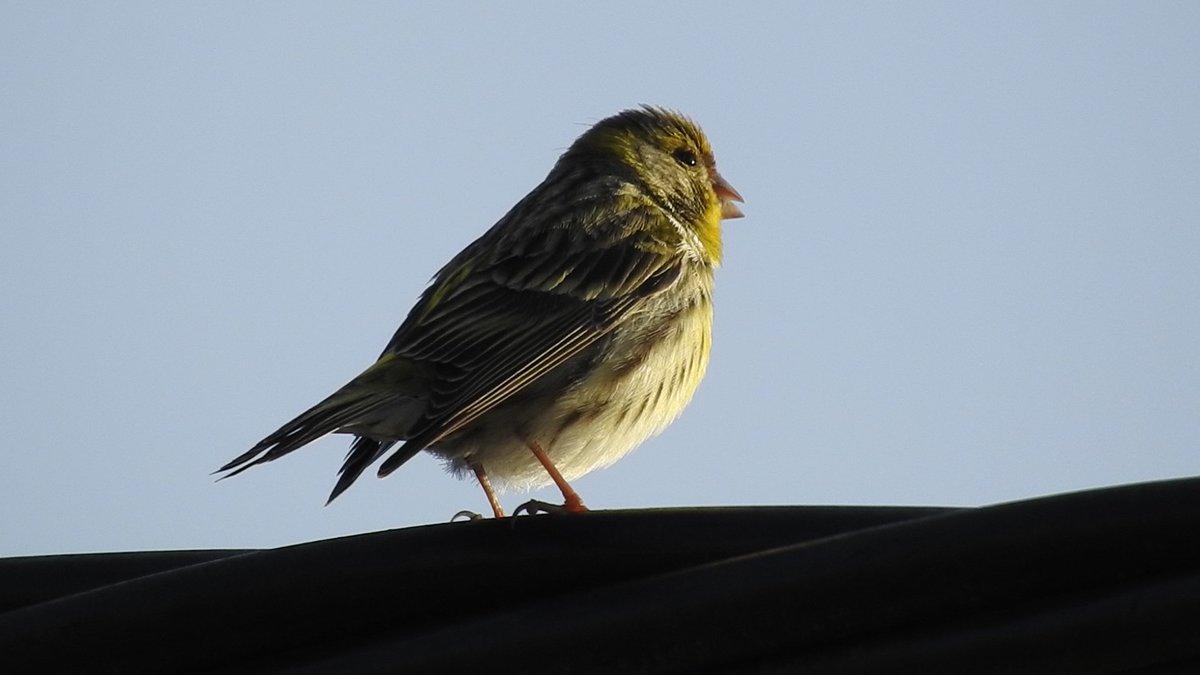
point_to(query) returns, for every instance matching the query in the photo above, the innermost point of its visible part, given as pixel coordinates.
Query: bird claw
(467, 515)
(536, 506)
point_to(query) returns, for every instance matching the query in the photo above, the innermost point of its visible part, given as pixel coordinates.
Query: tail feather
(363, 453)
(405, 453)
(345, 408)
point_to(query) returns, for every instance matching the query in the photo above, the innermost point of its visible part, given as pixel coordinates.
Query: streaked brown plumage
(577, 326)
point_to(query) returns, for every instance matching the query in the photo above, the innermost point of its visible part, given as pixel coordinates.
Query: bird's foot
(536, 506)
(466, 516)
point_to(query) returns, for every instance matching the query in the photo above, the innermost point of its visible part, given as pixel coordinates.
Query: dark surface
(1105, 581)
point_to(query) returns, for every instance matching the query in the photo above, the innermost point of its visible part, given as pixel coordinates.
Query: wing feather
(510, 320)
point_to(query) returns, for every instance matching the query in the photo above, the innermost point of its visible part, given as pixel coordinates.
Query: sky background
(969, 271)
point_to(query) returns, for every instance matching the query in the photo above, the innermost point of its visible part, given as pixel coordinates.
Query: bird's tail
(386, 396)
(351, 406)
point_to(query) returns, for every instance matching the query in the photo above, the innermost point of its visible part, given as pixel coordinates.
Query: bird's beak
(728, 196)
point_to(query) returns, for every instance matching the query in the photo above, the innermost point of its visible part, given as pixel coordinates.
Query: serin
(576, 327)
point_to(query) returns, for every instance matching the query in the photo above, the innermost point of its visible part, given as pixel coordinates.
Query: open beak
(728, 196)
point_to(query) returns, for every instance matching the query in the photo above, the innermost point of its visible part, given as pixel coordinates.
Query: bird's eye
(685, 157)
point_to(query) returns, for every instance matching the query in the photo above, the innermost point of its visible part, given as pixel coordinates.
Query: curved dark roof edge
(1098, 581)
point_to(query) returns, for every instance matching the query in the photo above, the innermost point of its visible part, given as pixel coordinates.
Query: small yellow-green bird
(572, 330)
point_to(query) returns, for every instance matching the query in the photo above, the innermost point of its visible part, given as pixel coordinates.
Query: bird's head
(667, 158)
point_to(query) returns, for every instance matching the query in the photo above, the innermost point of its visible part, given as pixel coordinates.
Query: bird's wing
(490, 326)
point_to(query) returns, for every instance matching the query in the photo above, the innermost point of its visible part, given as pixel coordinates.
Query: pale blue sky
(969, 271)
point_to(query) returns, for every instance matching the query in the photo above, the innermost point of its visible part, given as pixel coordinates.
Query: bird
(574, 328)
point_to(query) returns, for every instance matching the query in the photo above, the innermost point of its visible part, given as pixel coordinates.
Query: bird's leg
(571, 501)
(481, 476)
